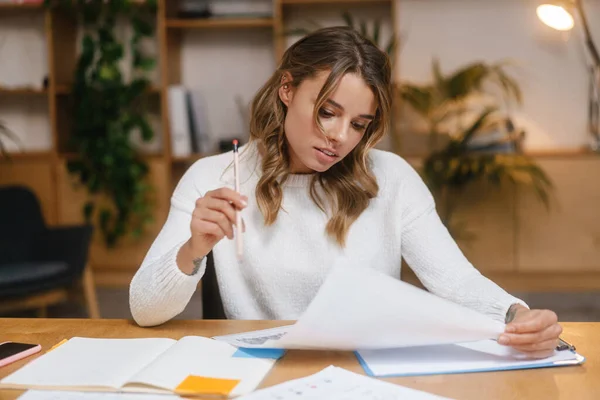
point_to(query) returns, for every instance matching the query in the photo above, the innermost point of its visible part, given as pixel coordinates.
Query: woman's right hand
(212, 220)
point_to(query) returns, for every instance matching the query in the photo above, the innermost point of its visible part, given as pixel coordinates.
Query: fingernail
(244, 203)
(510, 329)
(503, 339)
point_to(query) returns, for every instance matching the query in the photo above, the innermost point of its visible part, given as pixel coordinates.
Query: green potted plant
(370, 30)
(107, 109)
(471, 139)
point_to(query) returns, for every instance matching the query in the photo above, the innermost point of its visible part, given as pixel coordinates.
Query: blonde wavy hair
(349, 185)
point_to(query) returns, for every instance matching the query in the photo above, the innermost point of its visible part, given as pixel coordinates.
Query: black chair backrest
(21, 222)
(20, 210)
(212, 305)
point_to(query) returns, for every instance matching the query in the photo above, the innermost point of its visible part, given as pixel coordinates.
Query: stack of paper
(397, 329)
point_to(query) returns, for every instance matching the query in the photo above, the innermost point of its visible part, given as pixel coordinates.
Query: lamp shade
(555, 16)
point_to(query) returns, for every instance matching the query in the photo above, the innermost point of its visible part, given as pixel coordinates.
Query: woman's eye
(358, 127)
(325, 113)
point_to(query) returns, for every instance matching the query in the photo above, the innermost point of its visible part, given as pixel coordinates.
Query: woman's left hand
(533, 332)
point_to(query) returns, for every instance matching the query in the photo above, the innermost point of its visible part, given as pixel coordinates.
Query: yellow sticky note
(202, 385)
(57, 344)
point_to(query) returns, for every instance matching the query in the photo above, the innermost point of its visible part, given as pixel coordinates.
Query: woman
(313, 190)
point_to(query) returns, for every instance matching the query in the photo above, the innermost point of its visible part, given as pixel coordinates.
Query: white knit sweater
(285, 264)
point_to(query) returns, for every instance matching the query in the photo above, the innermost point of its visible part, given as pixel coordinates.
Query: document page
(359, 308)
(335, 383)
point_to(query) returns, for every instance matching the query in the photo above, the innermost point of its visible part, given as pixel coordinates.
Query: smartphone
(13, 351)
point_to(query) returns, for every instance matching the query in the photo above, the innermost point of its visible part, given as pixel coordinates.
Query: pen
(564, 345)
(238, 216)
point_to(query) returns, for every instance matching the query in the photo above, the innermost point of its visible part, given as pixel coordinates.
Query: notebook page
(335, 383)
(204, 357)
(467, 357)
(89, 362)
(62, 395)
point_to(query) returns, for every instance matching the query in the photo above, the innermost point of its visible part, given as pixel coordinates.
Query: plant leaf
(297, 32)
(376, 31)
(142, 27)
(348, 20)
(88, 210)
(474, 128)
(390, 49)
(363, 28)
(145, 64)
(420, 98)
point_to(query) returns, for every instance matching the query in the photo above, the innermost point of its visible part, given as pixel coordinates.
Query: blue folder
(484, 356)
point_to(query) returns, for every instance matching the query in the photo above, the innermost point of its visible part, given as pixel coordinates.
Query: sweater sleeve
(438, 262)
(160, 290)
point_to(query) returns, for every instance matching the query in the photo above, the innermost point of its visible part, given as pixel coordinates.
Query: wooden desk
(577, 382)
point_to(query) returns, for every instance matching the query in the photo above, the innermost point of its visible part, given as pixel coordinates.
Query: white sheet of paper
(255, 338)
(450, 358)
(360, 308)
(335, 383)
(90, 362)
(196, 355)
(64, 395)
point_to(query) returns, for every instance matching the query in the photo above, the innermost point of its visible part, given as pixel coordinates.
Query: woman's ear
(286, 92)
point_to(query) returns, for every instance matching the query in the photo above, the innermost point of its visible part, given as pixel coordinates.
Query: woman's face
(345, 116)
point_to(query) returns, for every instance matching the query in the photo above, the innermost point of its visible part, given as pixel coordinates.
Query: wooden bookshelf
(21, 7)
(62, 89)
(46, 171)
(29, 156)
(66, 89)
(339, 2)
(22, 91)
(220, 23)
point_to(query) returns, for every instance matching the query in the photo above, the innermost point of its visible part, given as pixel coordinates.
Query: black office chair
(39, 265)
(212, 305)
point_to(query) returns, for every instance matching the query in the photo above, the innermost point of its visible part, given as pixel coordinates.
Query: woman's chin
(315, 166)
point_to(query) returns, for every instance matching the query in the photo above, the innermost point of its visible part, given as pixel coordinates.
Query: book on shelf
(225, 9)
(189, 126)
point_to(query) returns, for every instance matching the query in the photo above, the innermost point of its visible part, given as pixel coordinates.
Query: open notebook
(193, 365)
